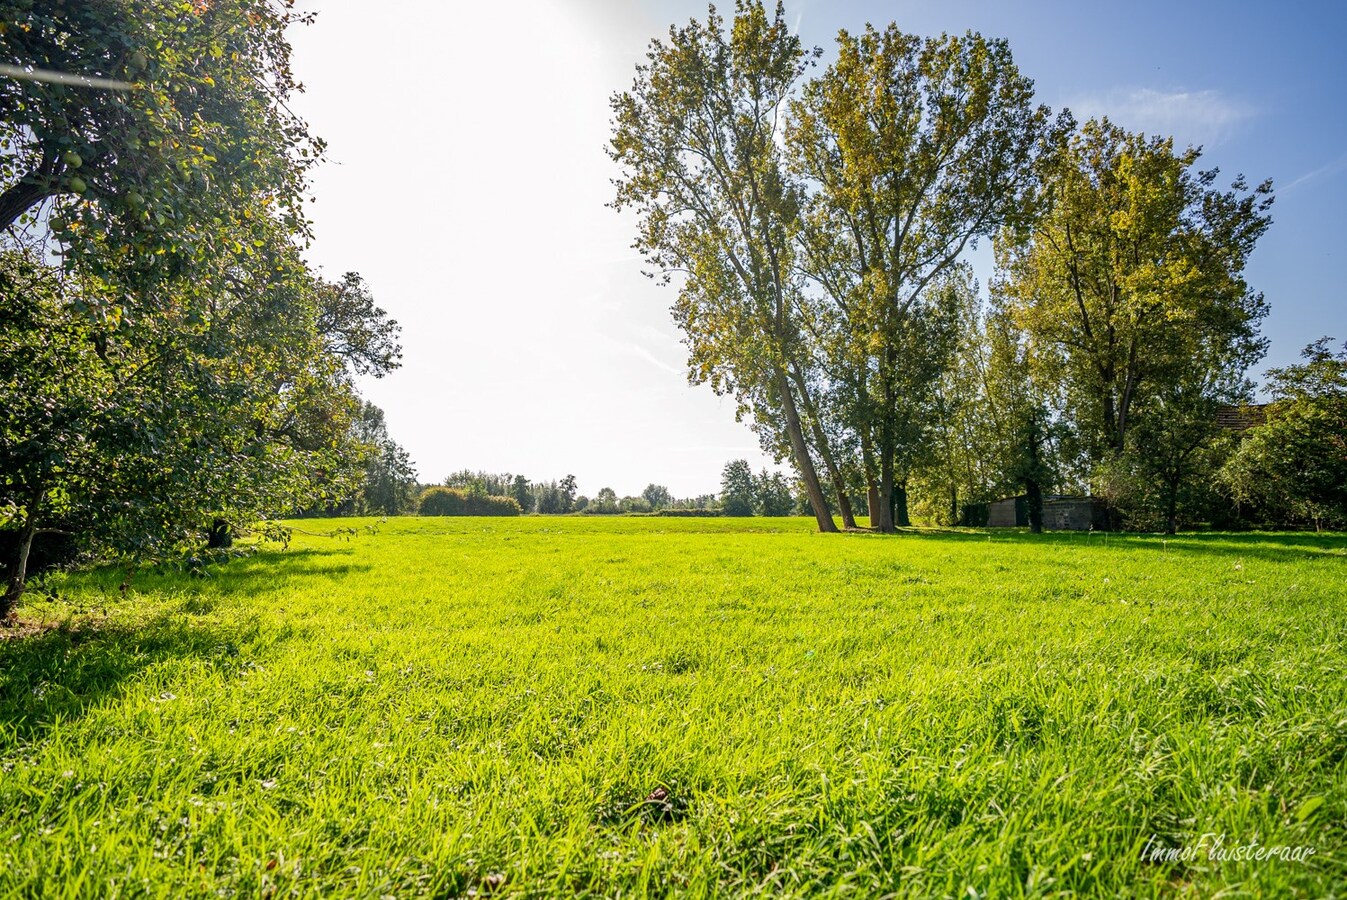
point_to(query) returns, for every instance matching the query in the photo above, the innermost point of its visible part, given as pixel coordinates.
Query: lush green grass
(455, 705)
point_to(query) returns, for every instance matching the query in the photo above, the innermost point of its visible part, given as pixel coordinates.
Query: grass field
(567, 706)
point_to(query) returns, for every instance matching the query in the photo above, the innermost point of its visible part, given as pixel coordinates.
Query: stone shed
(1059, 513)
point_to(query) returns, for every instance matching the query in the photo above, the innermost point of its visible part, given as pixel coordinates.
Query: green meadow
(650, 706)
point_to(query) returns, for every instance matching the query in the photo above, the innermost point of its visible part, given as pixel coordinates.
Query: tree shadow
(1273, 546)
(244, 574)
(60, 673)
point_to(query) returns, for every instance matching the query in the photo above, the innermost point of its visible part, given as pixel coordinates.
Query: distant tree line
(814, 228)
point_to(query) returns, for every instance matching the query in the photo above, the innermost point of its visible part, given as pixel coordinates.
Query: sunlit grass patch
(585, 706)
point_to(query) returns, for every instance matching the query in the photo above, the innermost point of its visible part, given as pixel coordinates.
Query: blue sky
(467, 182)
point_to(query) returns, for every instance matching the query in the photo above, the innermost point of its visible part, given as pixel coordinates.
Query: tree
(697, 140)
(657, 495)
(390, 485)
(134, 440)
(634, 505)
(1293, 468)
(208, 369)
(188, 168)
(356, 330)
(1130, 281)
(567, 488)
(737, 488)
(772, 494)
(522, 493)
(605, 501)
(917, 147)
(52, 391)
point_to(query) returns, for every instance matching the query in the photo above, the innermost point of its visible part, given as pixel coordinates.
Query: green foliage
(141, 438)
(634, 505)
(657, 495)
(697, 139)
(208, 369)
(1130, 281)
(444, 501)
(522, 493)
(772, 495)
(737, 489)
(824, 715)
(390, 486)
(1293, 468)
(191, 167)
(918, 147)
(604, 503)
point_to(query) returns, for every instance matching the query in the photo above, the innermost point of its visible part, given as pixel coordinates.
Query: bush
(443, 501)
(688, 513)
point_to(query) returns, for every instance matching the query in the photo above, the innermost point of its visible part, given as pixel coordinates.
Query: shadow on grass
(240, 575)
(58, 674)
(1273, 546)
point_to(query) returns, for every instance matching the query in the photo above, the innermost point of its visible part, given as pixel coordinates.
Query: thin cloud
(1198, 117)
(642, 353)
(1331, 168)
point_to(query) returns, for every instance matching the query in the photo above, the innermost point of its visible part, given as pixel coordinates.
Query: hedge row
(443, 501)
(689, 513)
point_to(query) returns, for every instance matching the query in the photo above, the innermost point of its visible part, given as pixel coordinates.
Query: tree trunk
(886, 497)
(886, 442)
(1033, 493)
(871, 486)
(843, 501)
(803, 463)
(954, 505)
(825, 452)
(1172, 508)
(220, 536)
(31, 189)
(19, 574)
(898, 511)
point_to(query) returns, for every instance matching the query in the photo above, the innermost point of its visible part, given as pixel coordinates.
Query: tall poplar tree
(916, 147)
(698, 140)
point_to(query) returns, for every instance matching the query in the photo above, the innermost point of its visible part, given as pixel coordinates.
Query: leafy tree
(446, 501)
(488, 483)
(772, 494)
(1130, 282)
(567, 488)
(53, 392)
(354, 329)
(217, 367)
(634, 505)
(972, 422)
(189, 168)
(390, 486)
(917, 147)
(604, 502)
(548, 498)
(1293, 468)
(657, 495)
(140, 438)
(522, 493)
(737, 490)
(697, 140)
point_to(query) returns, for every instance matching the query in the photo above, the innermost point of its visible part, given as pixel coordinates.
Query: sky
(467, 181)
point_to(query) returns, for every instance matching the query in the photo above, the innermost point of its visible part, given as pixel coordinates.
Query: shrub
(443, 501)
(688, 513)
